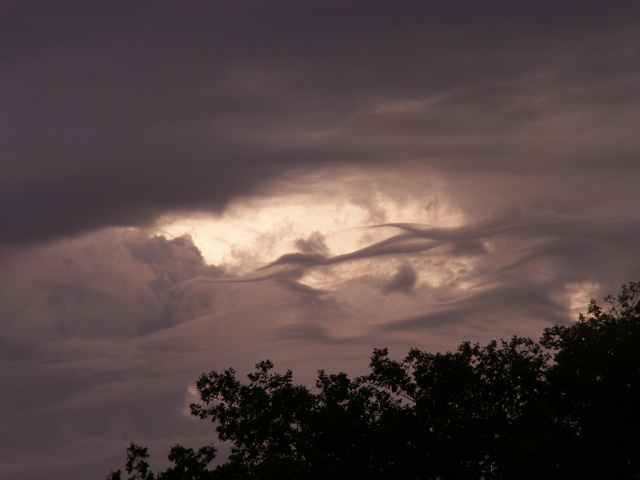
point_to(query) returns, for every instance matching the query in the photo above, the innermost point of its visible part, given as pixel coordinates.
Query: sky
(197, 185)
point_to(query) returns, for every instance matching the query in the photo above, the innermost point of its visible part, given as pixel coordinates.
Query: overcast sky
(188, 186)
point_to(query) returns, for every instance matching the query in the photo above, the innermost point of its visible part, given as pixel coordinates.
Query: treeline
(565, 406)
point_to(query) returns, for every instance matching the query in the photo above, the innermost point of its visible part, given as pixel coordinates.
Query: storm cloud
(115, 115)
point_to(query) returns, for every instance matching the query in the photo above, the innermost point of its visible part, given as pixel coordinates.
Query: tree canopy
(565, 406)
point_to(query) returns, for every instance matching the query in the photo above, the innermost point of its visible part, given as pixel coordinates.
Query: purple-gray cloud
(101, 286)
(115, 115)
(315, 243)
(403, 281)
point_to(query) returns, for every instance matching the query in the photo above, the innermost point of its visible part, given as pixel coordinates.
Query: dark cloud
(301, 259)
(314, 244)
(115, 115)
(108, 284)
(468, 247)
(467, 240)
(403, 281)
(15, 351)
(172, 261)
(307, 333)
(496, 304)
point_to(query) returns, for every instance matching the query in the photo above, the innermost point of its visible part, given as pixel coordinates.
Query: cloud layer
(116, 115)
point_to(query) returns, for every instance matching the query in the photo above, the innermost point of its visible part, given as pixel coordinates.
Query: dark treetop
(565, 406)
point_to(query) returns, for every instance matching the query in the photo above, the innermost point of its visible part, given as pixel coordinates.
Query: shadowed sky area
(188, 186)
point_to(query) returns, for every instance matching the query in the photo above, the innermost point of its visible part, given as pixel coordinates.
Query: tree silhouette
(565, 406)
(136, 464)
